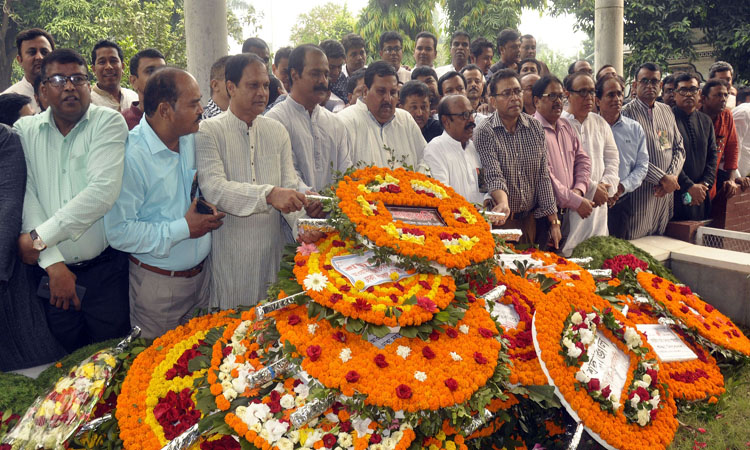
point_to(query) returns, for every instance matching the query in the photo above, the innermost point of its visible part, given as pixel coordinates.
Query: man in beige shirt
(106, 63)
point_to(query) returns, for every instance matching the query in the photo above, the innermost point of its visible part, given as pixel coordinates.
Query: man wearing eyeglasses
(460, 42)
(653, 200)
(698, 174)
(74, 156)
(392, 51)
(511, 147)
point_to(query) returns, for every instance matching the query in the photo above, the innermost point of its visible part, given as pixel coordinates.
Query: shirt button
(64, 171)
(76, 258)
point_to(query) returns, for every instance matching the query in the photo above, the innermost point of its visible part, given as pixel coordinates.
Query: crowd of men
(141, 206)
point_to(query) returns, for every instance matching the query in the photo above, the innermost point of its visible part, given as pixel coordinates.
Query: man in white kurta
(599, 143)
(245, 168)
(375, 123)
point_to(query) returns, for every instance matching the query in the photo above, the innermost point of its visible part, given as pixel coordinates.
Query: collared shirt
(741, 116)
(442, 70)
(597, 140)
(569, 165)
(211, 109)
(403, 74)
(148, 219)
(72, 182)
(24, 87)
(320, 144)
(516, 163)
(339, 86)
(238, 167)
(456, 166)
(401, 134)
(100, 97)
(631, 143)
(699, 140)
(132, 115)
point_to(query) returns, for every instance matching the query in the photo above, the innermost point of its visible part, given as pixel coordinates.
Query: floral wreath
(565, 271)
(696, 314)
(157, 401)
(464, 240)
(407, 374)
(410, 301)
(565, 325)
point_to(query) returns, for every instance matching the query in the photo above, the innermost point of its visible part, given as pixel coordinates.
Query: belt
(189, 273)
(107, 254)
(519, 215)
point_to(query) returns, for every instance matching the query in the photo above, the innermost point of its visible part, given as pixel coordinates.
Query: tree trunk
(8, 31)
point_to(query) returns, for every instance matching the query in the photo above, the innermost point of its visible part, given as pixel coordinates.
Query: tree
(328, 21)
(556, 61)
(408, 17)
(241, 15)
(486, 18)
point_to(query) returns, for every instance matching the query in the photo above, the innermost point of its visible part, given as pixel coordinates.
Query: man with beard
(106, 63)
(414, 97)
(379, 131)
(74, 157)
(527, 84)
(698, 174)
(508, 45)
(599, 143)
(320, 145)
(155, 219)
(653, 201)
(392, 51)
(569, 165)
(459, 53)
(631, 145)
(32, 45)
(425, 49)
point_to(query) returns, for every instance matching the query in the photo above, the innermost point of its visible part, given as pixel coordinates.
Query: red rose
(709, 308)
(479, 358)
(227, 350)
(375, 439)
(434, 336)
(684, 309)
(451, 332)
(313, 352)
(606, 391)
(684, 290)
(345, 288)
(352, 376)
(654, 375)
(380, 361)
(346, 426)
(340, 336)
(403, 391)
(328, 267)
(275, 407)
(486, 333)
(329, 440)
(294, 319)
(274, 396)
(672, 288)
(427, 352)
(593, 385)
(451, 384)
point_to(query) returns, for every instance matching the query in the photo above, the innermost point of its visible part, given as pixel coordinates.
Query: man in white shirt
(741, 116)
(381, 134)
(392, 51)
(106, 63)
(33, 45)
(451, 156)
(459, 53)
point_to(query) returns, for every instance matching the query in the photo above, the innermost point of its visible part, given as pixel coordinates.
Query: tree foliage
(486, 17)
(556, 62)
(328, 21)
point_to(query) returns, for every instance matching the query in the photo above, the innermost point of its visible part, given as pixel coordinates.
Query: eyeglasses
(392, 49)
(649, 81)
(554, 97)
(583, 93)
(464, 115)
(687, 92)
(61, 80)
(508, 93)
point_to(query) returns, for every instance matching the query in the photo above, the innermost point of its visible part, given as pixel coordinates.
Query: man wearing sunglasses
(74, 155)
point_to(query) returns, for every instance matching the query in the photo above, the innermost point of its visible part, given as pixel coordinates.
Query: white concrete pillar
(206, 38)
(608, 34)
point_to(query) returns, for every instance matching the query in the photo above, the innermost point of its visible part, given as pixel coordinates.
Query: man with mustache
(569, 165)
(474, 85)
(320, 145)
(156, 219)
(32, 45)
(379, 131)
(459, 53)
(653, 200)
(106, 63)
(74, 157)
(692, 201)
(599, 143)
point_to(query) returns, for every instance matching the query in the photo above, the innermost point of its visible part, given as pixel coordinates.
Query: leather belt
(189, 273)
(519, 215)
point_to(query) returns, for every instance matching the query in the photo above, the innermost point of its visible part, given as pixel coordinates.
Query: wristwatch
(555, 222)
(36, 241)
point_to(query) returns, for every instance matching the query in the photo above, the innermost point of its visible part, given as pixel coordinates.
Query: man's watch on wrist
(36, 241)
(555, 222)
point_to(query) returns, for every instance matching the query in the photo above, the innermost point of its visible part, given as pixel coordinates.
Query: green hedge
(602, 248)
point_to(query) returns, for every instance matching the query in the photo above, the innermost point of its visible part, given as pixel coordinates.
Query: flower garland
(146, 385)
(698, 315)
(552, 321)
(409, 301)
(494, 424)
(562, 270)
(406, 374)
(365, 194)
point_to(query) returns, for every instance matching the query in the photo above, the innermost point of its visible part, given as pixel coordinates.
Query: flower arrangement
(620, 262)
(620, 426)
(562, 270)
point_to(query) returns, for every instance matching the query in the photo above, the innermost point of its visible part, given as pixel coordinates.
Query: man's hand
(200, 224)
(601, 195)
(731, 188)
(555, 235)
(314, 208)
(286, 200)
(62, 287)
(26, 249)
(578, 192)
(698, 193)
(744, 182)
(485, 108)
(310, 237)
(500, 208)
(669, 183)
(659, 192)
(585, 208)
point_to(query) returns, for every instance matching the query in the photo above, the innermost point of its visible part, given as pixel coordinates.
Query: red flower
(180, 368)
(346, 426)
(606, 391)
(176, 413)
(684, 309)
(451, 384)
(362, 305)
(328, 267)
(486, 333)
(380, 361)
(337, 243)
(427, 304)
(275, 407)
(313, 352)
(479, 358)
(294, 319)
(434, 336)
(344, 288)
(451, 332)
(227, 350)
(375, 439)
(684, 290)
(672, 288)
(352, 376)
(224, 443)
(709, 308)
(339, 336)
(329, 440)
(593, 385)
(427, 352)
(393, 189)
(403, 391)
(336, 297)
(654, 376)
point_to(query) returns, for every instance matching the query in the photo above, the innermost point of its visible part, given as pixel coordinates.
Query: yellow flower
(359, 284)
(394, 276)
(450, 445)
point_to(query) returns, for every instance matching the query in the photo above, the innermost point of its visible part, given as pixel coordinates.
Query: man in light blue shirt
(155, 219)
(631, 143)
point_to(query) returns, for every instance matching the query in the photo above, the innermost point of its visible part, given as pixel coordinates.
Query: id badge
(664, 141)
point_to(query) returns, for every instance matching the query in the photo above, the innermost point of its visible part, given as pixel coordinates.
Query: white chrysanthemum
(255, 413)
(582, 377)
(644, 416)
(635, 400)
(632, 339)
(346, 354)
(567, 343)
(315, 282)
(574, 352)
(420, 376)
(403, 351)
(276, 429)
(287, 401)
(312, 327)
(345, 440)
(587, 337)
(464, 329)
(646, 379)
(302, 391)
(285, 444)
(456, 357)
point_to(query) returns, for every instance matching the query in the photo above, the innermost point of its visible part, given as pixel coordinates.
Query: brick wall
(732, 214)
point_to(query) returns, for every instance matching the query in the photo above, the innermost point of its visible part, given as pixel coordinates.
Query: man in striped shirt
(652, 202)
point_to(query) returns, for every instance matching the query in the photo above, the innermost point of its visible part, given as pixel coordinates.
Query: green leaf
(379, 331)
(408, 332)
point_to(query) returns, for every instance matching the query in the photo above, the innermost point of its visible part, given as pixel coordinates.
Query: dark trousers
(105, 310)
(618, 216)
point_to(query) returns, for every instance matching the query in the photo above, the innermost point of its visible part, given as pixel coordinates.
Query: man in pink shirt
(569, 165)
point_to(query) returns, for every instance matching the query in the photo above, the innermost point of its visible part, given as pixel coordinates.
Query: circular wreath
(366, 194)
(643, 415)
(156, 402)
(698, 315)
(403, 302)
(407, 374)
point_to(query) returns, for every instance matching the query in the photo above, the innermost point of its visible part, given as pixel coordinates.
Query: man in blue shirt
(155, 219)
(631, 143)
